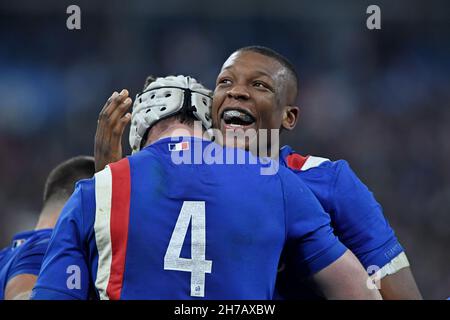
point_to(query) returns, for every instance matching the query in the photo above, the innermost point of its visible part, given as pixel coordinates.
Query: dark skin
(263, 87)
(112, 121)
(274, 106)
(259, 85)
(346, 267)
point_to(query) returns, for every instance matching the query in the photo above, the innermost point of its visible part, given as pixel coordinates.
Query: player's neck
(49, 215)
(171, 129)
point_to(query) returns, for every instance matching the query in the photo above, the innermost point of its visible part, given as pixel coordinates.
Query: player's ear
(290, 117)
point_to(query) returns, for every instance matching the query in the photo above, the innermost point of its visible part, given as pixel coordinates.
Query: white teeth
(235, 125)
(232, 113)
(237, 114)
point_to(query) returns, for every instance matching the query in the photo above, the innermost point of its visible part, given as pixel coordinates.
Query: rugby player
(257, 88)
(149, 228)
(21, 261)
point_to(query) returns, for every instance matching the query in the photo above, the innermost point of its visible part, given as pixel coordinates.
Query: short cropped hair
(278, 57)
(60, 183)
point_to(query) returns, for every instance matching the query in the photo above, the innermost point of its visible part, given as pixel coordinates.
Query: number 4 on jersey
(197, 265)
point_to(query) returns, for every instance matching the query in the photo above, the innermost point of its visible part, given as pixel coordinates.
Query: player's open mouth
(237, 118)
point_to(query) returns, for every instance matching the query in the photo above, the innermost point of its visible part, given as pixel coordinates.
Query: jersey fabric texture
(356, 217)
(149, 228)
(23, 256)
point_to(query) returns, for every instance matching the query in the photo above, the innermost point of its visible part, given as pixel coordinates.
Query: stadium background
(379, 99)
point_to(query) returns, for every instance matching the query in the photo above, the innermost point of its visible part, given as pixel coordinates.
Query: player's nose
(238, 92)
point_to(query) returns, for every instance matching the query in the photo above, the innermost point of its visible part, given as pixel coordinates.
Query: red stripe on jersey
(120, 216)
(295, 161)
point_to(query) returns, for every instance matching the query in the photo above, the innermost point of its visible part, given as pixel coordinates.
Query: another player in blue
(150, 227)
(257, 89)
(21, 261)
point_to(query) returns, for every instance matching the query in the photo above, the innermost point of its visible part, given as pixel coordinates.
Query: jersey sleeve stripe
(120, 214)
(295, 161)
(103, 193)
(395, 265)
(313, 162)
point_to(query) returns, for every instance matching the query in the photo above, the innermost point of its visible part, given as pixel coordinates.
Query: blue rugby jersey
(356, 217)
(147, 228)
(23, 256)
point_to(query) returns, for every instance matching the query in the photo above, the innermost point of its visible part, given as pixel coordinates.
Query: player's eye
(263, 85)
(224, 81)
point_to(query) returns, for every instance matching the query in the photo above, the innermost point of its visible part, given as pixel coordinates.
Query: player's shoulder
(311, 164)
(85, 184)
(104, 177)
(122, 164)
(35, 244)
(290, 180)
(39, 236)
(24, 237)
(153, 154)
(38, 240)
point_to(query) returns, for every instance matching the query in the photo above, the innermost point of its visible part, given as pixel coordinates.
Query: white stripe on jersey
(395, 265)
(313, 162)
(103, 194)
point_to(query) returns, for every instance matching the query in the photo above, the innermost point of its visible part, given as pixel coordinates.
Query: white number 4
(197, 265)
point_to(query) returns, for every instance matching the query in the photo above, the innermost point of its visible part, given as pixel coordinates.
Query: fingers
(108, 143)
(123, 104)
(108, 102)
(114, 108)
(112, 122)
(121, 125)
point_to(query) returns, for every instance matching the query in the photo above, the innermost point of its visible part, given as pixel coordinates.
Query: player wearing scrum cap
(146, 228)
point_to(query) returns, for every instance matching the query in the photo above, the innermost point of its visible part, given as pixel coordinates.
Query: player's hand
(111, 124)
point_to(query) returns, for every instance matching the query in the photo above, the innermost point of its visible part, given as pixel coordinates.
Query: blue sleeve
(29, 259)
(64, 273)
(3, 253)
(311, 244)
(359, 222)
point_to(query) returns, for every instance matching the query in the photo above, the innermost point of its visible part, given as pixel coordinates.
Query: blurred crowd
(378, 99)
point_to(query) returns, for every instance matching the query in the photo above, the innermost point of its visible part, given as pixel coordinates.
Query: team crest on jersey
(181, 146)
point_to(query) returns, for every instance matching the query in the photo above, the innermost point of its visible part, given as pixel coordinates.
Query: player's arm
(361, 226)
(112, 120)
(23, 271)
(400, 285)
(345, 279)
(316, 252)
(64, 274)
(20, 286)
